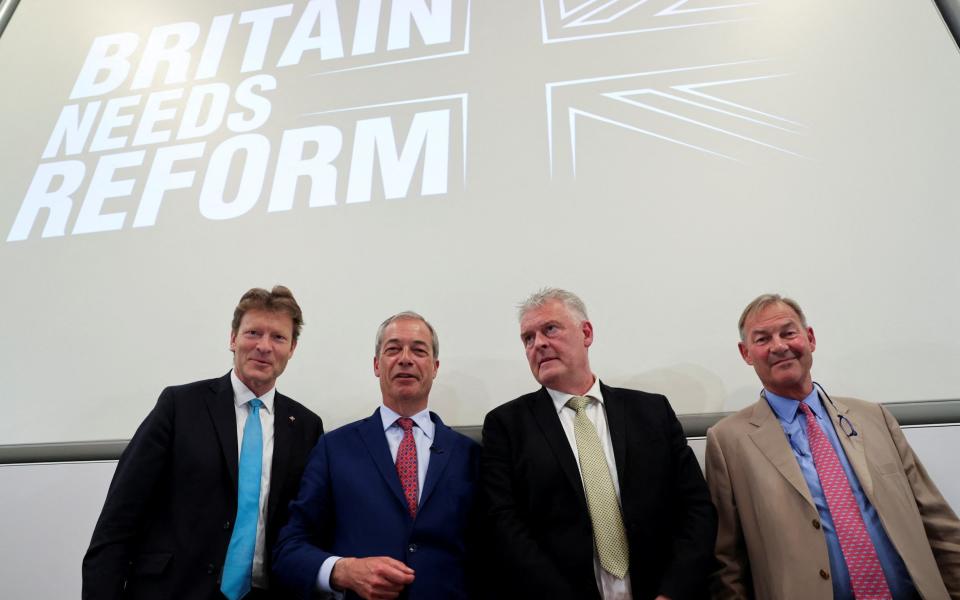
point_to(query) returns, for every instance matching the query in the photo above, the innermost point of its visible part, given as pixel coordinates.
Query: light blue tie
(238, 567)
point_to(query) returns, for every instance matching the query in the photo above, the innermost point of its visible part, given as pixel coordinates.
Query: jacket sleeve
(695, 520)
(732, 579)
(299, 552)
(519, 561)
(139, 471)
(939, 521)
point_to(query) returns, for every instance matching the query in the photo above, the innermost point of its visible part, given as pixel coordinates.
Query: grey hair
(550, 294)
(408, 314)
(761, 302)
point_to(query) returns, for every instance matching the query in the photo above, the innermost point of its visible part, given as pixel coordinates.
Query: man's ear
(587, 328)
(744, 354)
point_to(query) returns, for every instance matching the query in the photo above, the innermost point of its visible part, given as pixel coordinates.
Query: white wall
(47, 513)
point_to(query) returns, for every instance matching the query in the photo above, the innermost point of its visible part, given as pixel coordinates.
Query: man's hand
(373, 578)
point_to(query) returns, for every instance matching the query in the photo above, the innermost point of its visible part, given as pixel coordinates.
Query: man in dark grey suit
(169, 517)
(591, 491)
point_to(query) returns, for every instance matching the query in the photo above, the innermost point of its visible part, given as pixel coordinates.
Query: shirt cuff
(323, 576)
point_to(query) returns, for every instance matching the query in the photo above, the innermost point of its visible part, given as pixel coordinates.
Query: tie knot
(805, 409)
(578, 403)
(405, 423)
(255, 404)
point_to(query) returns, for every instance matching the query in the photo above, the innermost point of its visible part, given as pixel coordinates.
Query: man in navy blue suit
(386, 504)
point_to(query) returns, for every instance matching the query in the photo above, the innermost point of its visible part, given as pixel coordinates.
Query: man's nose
(777, 345)
(539, 340)
(406, 357)
(264, 344)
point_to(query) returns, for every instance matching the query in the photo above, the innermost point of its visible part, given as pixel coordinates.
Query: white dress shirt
(423, 431)
(611, 587)
(241, 398)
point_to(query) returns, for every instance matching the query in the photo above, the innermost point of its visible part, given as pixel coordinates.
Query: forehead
(772, 315)
(267, 318)
(407, 330)
(552, 310)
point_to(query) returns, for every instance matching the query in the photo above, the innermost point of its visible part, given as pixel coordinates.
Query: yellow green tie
(608, 532)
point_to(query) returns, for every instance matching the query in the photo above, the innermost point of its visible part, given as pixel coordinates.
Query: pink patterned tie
(407, 464)
(866, 575)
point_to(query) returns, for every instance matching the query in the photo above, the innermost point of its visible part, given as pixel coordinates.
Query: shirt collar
(560, 398)
(786, 408)
(242, 394)
(422, 419)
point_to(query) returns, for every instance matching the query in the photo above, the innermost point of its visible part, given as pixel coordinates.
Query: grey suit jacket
(770, 544)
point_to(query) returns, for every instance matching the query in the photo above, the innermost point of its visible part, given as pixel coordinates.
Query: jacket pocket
(152, 563)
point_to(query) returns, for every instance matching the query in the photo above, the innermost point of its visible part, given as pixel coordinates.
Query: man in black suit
(591, 491)
(167, 529)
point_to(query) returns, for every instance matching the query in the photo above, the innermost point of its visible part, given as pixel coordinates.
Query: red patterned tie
(866, 575)
(407, 464)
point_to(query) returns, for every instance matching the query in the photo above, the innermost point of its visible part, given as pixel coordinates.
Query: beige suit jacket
(770, 544)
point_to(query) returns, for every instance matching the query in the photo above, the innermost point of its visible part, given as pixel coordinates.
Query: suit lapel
(285, 429)
(616, 422)
(772, 442)
(545, 414)
(853, 446)
(224, 416)
(440, 454)
(371, 432)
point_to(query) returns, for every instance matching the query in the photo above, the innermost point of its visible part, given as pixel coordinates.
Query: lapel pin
(292, 419)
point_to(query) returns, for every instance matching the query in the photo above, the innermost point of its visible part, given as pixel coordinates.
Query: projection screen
(668, 160)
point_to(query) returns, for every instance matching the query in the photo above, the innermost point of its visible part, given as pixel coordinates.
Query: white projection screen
(667, 160)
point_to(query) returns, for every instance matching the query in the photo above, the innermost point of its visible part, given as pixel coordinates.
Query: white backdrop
(666, 160)
(48, 511)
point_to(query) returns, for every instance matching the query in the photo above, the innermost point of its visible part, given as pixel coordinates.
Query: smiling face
(406, 366)
(780, 349)
(261, 346)
(556, 344)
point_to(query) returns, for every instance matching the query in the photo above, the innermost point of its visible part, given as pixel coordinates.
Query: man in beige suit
(820, 497)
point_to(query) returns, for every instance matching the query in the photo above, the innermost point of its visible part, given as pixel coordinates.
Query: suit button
(412, 548)
(824, 574)
(210, 569)
(816, 524)
(226, 524)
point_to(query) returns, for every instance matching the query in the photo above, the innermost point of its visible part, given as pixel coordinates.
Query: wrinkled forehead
(407, 330)
(772, 315)
(279, 319)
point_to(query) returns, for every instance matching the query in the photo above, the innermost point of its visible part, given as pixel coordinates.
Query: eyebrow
(790, 323)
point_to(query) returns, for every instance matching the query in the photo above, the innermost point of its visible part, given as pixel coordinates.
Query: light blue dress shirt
(795, 427)
(423, 431)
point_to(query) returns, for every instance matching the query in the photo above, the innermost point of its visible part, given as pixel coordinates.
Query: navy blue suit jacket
(351, 504)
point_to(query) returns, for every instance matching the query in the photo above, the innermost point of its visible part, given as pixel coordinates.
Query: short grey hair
(408, 314)
(550, 294)
(761, 302)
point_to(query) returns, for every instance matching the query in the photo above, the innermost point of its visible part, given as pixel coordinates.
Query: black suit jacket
(537, 512)
(168, 516)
